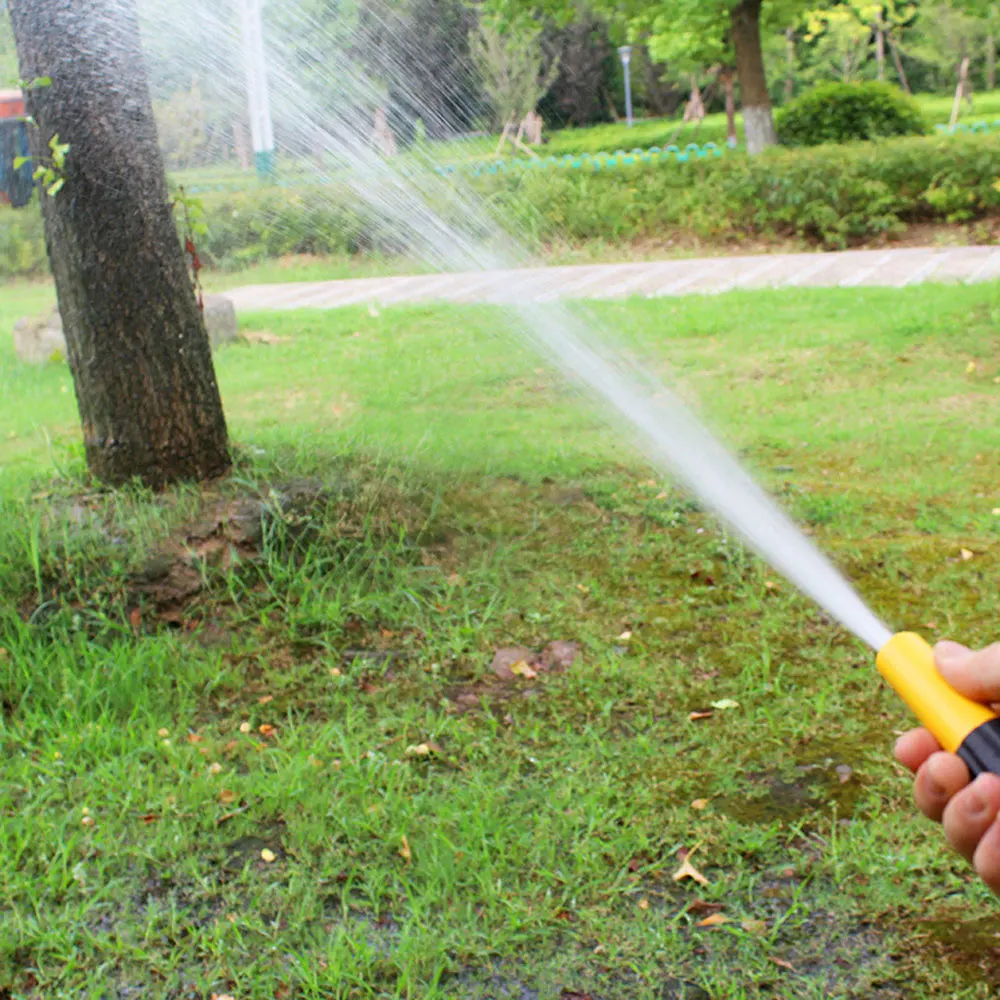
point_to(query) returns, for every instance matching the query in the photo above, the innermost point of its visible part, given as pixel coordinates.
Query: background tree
(514, 69)
(136, 339)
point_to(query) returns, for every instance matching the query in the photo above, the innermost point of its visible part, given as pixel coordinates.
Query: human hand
(968, 810)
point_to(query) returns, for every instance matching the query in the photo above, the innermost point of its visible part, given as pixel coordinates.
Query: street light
(625, 52)
(261, 129)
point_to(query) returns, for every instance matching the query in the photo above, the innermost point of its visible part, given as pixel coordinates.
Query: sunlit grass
(156, 840)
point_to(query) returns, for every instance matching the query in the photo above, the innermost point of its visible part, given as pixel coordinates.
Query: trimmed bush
(848, 112)
(834, 196)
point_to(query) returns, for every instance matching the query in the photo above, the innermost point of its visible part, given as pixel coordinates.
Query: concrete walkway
(892, 268)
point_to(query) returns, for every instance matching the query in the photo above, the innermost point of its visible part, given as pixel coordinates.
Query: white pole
(261, 129)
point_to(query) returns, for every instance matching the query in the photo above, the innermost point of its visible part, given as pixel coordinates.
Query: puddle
(970, 947)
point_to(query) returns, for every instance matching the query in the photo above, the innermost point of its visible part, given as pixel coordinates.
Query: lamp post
(258, 99)
(625, 52)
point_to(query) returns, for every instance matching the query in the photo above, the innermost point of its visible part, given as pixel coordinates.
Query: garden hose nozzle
(960, 725)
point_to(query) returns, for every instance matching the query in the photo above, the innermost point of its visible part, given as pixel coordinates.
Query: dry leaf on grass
(688, 870)
(967, 555)
(226, 796)
(268, 855)
(699, 804)
(163, 733)
(713, 920)
(696, 715)
(523, 669)
(245, 727)
(265, 729)
(264, 699)
(754, 926)
(725, 704)
(643, 904)
(404, 850)
(782, 963)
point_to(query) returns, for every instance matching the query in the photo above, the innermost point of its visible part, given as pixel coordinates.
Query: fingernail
(951, 654)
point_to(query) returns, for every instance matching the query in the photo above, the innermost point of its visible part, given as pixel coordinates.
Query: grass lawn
(254, 745)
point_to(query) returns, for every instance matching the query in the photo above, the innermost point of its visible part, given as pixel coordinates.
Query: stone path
(893, 268)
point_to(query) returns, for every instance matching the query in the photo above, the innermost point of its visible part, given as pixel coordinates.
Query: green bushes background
(832, 196)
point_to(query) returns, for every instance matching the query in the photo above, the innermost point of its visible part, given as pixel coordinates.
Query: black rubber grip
(981, 748)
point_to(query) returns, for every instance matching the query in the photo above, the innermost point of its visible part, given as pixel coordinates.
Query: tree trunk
(135, 336)
(899, 64)
(963, 73)
(879, 49)
(789, 64)
(758, 120)
(991, 62)
(728, 77)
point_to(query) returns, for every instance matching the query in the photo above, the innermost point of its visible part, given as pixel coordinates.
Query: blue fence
(588, 161)
(970, 127)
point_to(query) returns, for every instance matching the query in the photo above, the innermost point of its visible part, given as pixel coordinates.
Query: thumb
(974, 674)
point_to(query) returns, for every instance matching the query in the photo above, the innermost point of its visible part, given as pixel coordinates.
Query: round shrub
(847, 112)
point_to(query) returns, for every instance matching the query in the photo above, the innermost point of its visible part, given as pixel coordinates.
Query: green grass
(453, 498)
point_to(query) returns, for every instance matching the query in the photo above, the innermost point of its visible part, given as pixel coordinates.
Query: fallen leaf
(703, 906)
(523, 669)
(699, 804)
(695, 716)
(193, 738)
(419, 750)
(714, 920)
(226, 796)
(150, 818)
(967, 554)
(754, 926)
(215, 768)
(643, 904)
(504, 660)
(725, 704)
(782, 963)
(770, 585)
(625, 636)
(586, 590)
(135, 619)
(266, 729)
(268, 855)
(245, 727)
(334, 672)
(231, 746)
(844, 773)
(264, 699)
(688, 870)
(970, 367)
(661, 496)
(404, 850)
(87, 821)
(163, 733)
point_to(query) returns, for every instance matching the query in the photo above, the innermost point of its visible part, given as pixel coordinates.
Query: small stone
(220, 320)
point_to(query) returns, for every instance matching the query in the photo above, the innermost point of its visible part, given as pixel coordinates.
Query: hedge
(834, 196)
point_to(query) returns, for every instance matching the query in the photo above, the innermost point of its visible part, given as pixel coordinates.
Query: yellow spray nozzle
(959, 724)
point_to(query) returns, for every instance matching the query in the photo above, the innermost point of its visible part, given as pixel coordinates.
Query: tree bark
(789, 64)
(899, 65)
(135, 336)
(963, 73)
(879, 49)
(758, 119)
(728, 77)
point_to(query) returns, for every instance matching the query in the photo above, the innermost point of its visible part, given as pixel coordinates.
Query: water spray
(449, 225)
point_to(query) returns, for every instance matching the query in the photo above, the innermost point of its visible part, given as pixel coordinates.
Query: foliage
(845, 112)
(514, 70)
